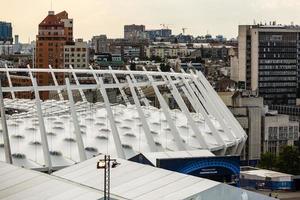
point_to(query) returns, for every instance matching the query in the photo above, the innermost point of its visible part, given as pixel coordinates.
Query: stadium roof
(17, 183)
(137, 181)
(58, 133)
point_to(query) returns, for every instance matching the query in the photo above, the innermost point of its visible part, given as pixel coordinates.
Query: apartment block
(76, 54)
(268, 62)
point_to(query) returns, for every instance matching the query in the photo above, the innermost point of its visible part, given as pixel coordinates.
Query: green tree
(289, 160)
(268, 161)
(165, 67)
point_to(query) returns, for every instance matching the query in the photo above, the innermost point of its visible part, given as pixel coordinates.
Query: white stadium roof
(58, 133)
(129, 180)
(17, 183)
(132, 180)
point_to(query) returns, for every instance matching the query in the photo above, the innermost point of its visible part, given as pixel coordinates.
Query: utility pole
(106, 165)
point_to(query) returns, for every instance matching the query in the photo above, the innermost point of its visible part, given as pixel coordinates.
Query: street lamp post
(106, 164)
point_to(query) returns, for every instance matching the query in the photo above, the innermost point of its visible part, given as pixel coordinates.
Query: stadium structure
(56, 133)
(66, 135)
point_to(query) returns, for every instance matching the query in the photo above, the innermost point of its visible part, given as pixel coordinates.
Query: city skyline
(108, 17)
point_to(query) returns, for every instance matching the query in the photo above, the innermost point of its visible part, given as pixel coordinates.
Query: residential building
(127, 48)
(55, 31)
(167, 50)
(6, 32)
(104, 60)
(76, 54)
(100, 44)
(268, 61)
(134, 32)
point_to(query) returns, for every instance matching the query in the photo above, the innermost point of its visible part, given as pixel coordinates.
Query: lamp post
(106, 164)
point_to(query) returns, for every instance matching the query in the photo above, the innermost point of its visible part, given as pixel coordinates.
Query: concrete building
(292, 111)
(6, 32)
(76, 54)
(104, 60)
(100, 44)
(278, 131)
(158, 33)
(127, 48)
(268, 61)
(134, 32)
(55, 31)
(267, 130)
(167, 50)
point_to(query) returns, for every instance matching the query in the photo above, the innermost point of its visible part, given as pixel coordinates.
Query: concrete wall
(254, 59)
(242, 38)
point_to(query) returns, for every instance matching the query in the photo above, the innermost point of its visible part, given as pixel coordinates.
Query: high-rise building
(55, 31)
(134, 32)
(269, 62)
(6, 32)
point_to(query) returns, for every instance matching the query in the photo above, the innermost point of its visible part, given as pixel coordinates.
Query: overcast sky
(94, 17)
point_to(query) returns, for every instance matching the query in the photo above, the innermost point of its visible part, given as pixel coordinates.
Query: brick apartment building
(54, 32)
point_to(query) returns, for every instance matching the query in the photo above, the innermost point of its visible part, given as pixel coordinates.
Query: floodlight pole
(105, 164)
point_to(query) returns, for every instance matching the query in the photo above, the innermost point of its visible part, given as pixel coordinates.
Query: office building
(268, 61)
(6, 32)
(55, 31)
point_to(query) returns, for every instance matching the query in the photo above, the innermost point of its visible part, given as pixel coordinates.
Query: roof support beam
(120, 88)
(227, 115)
(61, 98)
(140, 91)
(9, 81)
(201, 108)
(79, 141)
(44, 138)
(7, 149)
(208, 102)
(166, 110)
(146, 128)
(111, 118)
(77, 83)
(115, 133)
(185, 110)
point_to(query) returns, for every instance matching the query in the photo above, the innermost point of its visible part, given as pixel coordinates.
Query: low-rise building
(267, 130)
(76, 54)
(167, 50)
(278, 131)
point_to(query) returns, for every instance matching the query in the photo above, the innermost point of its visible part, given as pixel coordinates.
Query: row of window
(280, 61)
(277, 78)
(73, 49)
(277, 84)
(277, 73)
(73, 60)
(283, 133)
(278, 67)
(72, 55)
